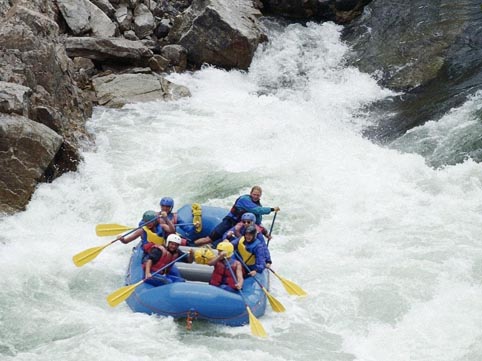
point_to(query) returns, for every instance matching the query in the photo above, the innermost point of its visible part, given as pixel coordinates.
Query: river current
(386, 245)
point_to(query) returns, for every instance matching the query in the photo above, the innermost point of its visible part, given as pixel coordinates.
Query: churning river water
(387, 247)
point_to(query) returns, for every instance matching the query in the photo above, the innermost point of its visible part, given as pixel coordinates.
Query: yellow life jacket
(154, 238)
(248, 257)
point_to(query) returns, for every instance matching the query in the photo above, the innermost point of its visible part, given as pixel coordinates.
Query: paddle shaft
(271, 228)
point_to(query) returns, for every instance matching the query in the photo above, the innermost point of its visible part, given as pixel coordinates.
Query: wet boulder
(219, 33)
(26, 150)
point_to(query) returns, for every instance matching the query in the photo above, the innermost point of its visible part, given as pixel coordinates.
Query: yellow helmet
(203, 255)
(226, 247)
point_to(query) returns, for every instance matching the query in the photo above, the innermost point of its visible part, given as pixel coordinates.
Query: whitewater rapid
(387, 247)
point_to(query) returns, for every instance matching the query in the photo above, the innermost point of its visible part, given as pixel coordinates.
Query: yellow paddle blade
(122, 294)
(256, 326)
(110, 229)
(291, 287)
(276, 305)
(88, 255)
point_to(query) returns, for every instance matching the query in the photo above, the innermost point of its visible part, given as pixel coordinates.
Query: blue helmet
(248, 217)
(167, 201)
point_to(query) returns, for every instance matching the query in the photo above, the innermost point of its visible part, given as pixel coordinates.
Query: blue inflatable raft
(195, 298)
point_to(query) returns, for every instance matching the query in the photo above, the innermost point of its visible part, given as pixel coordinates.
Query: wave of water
(386, 246)
(453, 139)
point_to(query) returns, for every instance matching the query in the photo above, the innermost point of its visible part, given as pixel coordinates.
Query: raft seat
(195, 272)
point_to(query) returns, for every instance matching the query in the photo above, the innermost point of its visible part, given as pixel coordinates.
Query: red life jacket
(165, 259)
(222, 275)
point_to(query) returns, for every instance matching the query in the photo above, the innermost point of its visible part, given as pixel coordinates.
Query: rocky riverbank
(60, 58)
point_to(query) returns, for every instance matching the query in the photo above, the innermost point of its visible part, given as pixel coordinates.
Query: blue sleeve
(264, 247)
(260, 259)
(246, 204)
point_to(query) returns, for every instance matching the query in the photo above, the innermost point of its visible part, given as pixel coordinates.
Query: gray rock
(4, 6)
(117, 90)
(158, 63)
(176, 54)
(84, 63)
(49, 117)
(82, 16)
(40, 24)
(151, 4)
(76, 15)
(14, 98)
(219, 33)
(130, 35)
(143, 21)
(26, 150)
(32, 56)
(106, 7)
(100, 23)
(112, 49)
(124, 17)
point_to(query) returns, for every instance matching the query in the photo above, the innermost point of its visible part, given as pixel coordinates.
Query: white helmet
(173, 238)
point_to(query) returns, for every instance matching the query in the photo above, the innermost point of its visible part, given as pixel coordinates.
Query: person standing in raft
(152, 232)
(253, 251)
(159, 256)
(222, 276)
(246, 203)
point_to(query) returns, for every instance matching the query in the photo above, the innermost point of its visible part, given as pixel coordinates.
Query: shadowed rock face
(432, 51)
(218, 33)
(26, 150)
(339, 11)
